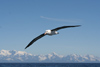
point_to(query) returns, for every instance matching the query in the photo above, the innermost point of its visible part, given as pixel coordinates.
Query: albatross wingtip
(25, 47)
(78, 25)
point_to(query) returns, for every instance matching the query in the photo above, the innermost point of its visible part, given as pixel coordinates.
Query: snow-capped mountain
(21, 56)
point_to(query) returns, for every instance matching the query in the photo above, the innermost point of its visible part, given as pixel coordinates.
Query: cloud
(61, 20)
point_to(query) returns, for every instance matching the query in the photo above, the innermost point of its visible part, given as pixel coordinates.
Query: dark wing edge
(35, 39)
(58, 28)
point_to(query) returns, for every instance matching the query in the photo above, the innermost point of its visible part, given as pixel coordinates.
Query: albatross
(49, 32)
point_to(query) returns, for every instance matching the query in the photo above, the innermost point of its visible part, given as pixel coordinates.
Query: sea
(49, 64)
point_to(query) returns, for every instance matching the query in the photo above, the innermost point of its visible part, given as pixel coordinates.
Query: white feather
(49, 32)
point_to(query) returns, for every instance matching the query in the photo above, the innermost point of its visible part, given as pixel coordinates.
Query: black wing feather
(35, 39)
(58, 28)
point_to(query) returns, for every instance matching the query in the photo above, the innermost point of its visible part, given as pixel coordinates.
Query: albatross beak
(45, 33)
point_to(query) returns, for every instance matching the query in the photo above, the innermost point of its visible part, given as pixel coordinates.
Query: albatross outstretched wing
(35, 39)
(58, 28)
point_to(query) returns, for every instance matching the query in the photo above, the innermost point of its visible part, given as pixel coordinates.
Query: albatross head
(47, 32)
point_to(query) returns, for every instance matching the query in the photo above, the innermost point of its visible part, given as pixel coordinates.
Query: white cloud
(61, 20)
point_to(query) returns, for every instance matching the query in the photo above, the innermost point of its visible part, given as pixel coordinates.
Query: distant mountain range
(21, 56)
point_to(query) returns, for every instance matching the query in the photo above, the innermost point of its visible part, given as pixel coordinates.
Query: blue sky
(23, 20)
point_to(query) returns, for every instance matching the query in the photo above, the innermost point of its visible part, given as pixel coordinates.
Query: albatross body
(49, 32)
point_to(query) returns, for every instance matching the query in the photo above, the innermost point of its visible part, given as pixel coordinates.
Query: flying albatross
(49, 32)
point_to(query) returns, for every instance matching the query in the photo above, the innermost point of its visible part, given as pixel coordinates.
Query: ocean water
(49, 64)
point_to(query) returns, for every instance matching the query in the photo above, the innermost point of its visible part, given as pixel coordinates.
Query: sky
(23, 20)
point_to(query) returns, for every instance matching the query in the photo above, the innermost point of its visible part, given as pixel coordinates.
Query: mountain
(21, 56)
